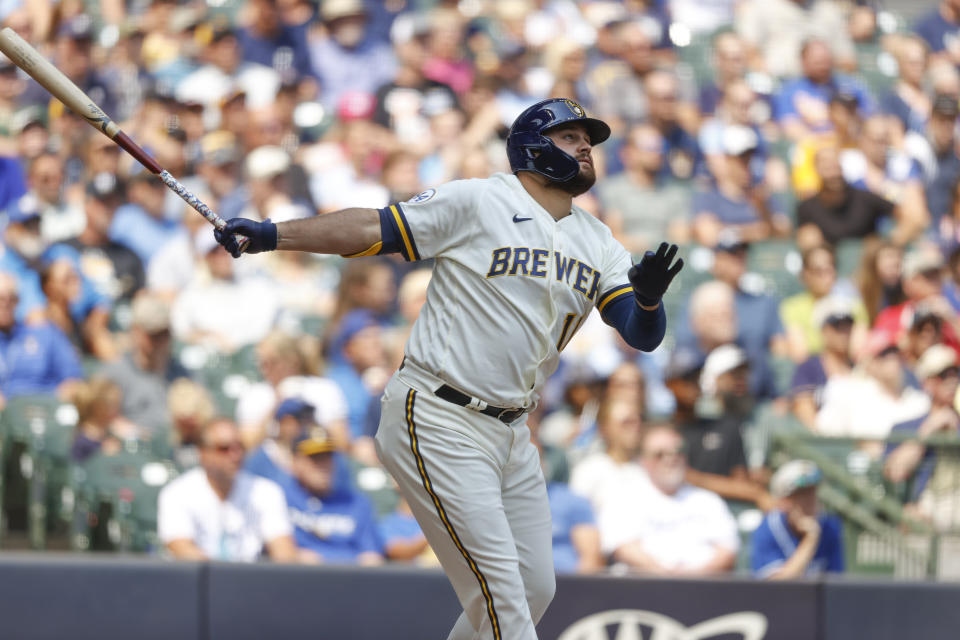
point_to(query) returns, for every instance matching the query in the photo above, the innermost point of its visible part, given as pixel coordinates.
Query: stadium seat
(778, 262)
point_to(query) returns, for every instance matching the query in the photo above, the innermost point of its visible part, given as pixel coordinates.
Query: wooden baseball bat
(64, 90)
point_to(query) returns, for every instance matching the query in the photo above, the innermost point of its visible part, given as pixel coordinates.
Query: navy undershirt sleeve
(389, 232)
(641, 329)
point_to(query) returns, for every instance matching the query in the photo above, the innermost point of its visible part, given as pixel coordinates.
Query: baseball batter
(517, 269)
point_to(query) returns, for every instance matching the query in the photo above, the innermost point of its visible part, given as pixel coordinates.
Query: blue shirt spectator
(567, 512)
(269, 42)
(12, 183)
(732, 210)
(33, 358)
(773, 542)
(788, 103)
(330, 519)
(939, 33)
(141, 232)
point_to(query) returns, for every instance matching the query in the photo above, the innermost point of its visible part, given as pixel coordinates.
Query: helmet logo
(577, 109)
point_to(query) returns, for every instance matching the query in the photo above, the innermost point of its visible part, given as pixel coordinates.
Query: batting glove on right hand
(262, 236)
(654, 274)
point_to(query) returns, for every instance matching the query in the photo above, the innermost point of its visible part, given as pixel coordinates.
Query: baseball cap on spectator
(738, 140)
(266, 162)
(793, 476)
(294, 407)
(335, 9)
(845, 98)
(353, 323)
(729, 240)
(684, 363)
(946, 106)
(921, 261)
(721, 360)
(218, 148)
(313, 442)
(880, 342)
(832, 309)
(934, 361)
(79, 28)
(355, 105)
(26, 117)
(24, 209)
(150, 313)
(105, 186)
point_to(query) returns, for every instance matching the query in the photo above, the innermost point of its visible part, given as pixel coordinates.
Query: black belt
(448, 393)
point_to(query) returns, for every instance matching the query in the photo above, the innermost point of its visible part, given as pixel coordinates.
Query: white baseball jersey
(511, 284)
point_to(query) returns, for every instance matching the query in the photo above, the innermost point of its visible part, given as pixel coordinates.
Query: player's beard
(579, 184)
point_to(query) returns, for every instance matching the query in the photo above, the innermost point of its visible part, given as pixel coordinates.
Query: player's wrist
(645, 302)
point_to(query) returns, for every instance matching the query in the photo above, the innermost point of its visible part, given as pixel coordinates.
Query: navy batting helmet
(529, 150)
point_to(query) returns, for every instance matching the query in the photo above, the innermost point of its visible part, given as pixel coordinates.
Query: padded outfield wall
(113, 598)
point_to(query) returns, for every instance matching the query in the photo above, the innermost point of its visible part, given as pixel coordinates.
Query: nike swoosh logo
(516, 219)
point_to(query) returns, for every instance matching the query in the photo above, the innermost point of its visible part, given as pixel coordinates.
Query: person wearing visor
(796, 539)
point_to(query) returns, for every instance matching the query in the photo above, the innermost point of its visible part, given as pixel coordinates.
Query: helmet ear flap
(555, 163)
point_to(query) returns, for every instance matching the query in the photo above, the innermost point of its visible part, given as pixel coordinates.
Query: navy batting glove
(654, 274)
(262, 235)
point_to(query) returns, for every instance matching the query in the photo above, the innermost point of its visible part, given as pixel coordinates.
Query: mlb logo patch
(423, 196)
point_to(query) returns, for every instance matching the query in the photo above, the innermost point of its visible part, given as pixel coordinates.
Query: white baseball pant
(476, 487)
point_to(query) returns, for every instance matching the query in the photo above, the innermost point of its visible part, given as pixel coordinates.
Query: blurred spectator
(219, 309)
(349, 57)
(59, 220)
(145, 372)
(333, 522)
(796, 539)
(736, 108)
(729, 64)
(710, 417)
(289, 374)
(220, 512)
(405, 100)
(225, 76)
(622, 100)
(217, 172)
(39, 358)
(576, 540)
(802, 105)
(925, 330)
(934, 147)
(923, 287)
(446, 63)
(114, 270)
(778, 30)
(940, 29)
(365, 284)
(266, 168)
(566, 60)
(833, 317)
(660, 524)
(908, 101)
(840, 211)
(141, 224)
(403, 539)
(100, 425)
(273, 458)
(175, 264)
(190, 408)
(844, 133)
(358, 369)
(666, 112)
(878, 277)
(577, 416)
(754, 318)
(21, 255)
(866, 404)
(79, 312)
(798, 312)
(643, 208)
(268, 41)
(890, 174)
(932, 491)
(737, 201)
(597, 475)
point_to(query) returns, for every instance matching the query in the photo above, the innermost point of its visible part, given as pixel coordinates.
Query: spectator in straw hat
(796, 539)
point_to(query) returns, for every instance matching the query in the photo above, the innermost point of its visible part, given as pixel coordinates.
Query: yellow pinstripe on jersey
(372, 251)
(616, 293)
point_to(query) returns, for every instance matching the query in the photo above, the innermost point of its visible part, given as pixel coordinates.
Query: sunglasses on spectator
(889, 351)
(660, 454)
(227, 447)
(949, 372)
(840, 322)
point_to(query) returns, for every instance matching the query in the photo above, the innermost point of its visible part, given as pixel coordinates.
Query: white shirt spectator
(259, 400)
(857, 407)
(597, 477)
(240, 312)
(237, 529)
(682, 531)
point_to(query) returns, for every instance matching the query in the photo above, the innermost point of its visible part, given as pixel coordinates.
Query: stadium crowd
(809, 131)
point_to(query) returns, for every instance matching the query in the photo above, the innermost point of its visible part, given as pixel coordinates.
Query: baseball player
(517, 269)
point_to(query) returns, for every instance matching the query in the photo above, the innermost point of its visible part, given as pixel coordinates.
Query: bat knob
(242, 241)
